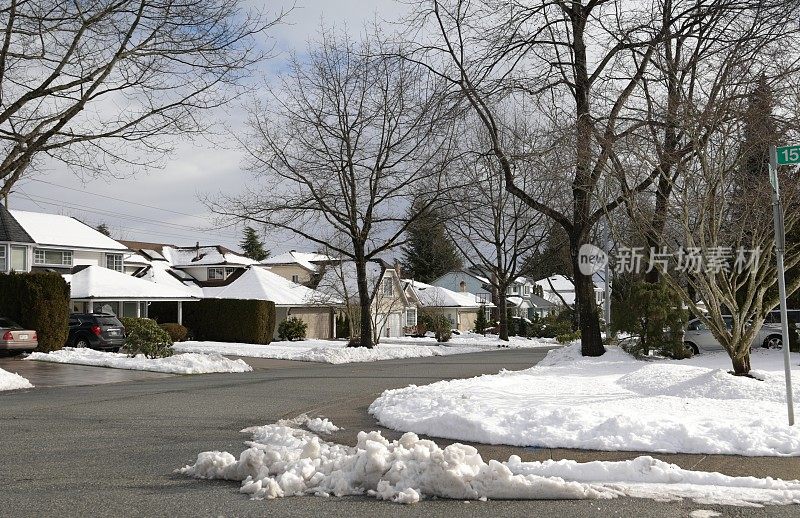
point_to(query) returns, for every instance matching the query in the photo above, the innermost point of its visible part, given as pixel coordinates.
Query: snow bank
(613, 402)
(13, 381)
(337, 352)
(283, 461)
(189, 363)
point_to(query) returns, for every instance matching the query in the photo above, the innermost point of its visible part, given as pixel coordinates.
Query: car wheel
(773, 342)
(82, 343)
(692, 348)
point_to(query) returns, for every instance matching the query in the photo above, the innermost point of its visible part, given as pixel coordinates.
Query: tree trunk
(741, 364)
(502, 308)
(591, 340)
(364, 299)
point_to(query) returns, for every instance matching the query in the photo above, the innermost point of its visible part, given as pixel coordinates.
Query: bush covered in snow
(144, 336)
(292, 329)
(177, 332)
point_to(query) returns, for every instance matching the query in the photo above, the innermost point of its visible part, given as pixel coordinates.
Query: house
(290, 299)
(521, 298)
(392, 311)
(92, 263)
(559, 290)
(207, 265)
(299, 267)
(460, 308)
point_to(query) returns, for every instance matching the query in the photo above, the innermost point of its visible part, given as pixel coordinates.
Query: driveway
(111, 449)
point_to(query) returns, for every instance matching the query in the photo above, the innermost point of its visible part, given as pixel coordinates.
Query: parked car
(15, 338)
(699, 338)
(96, 330)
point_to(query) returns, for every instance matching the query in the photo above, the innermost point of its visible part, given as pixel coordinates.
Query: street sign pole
(780, 244)
(607, 282)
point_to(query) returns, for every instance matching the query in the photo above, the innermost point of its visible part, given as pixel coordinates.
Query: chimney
(397, 269)
(197, 250)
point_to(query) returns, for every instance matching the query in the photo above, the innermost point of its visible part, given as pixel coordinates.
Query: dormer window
(388, 287)
(46, 257)
(219, 274)
(114, 262)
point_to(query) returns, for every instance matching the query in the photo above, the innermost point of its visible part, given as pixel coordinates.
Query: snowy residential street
(120, 443)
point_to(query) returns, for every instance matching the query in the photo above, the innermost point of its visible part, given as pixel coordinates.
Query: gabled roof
(436, 296)
(204, 256)
(96, 282)
(63, 231)
(11, 230)
(340, 280)
(306, 260)
(260, 284)
(144, 245)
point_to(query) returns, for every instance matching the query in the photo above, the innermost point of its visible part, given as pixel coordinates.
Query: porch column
(90, 306)
(180, 312)
(138, 309)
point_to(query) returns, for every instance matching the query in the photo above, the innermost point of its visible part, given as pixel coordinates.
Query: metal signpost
(782, 156)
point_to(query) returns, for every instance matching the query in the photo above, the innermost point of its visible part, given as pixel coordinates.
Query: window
(388, 287)
(114, 262)
(482, 298)
(52, 257)
(19, 258)
(219, 274)
(411, 316)
(527, 290)
(3, 261)
(296, 279)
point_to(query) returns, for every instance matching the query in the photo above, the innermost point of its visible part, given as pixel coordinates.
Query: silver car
(699, 338)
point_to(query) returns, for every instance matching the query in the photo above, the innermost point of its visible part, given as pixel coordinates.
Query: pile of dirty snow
(337, 352)
(189, 363)
(283, 461)
(614, 402)
(13, 381)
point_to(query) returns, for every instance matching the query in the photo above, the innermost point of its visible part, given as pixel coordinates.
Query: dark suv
(96, 330)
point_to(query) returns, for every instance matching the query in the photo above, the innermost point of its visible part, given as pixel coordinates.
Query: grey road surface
(110, 449)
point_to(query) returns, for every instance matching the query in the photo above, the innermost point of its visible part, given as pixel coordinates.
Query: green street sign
(788, 155)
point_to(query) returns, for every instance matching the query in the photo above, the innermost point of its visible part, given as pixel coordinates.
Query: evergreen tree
(103, 229)
(429, 253)
(252, 246)
(481, 323)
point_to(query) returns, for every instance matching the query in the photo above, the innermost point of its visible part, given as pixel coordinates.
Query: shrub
(342, 326)
(481, 323)
(438, 323)
(144, 336)
(177, 332)
(292, 329)
(223, 320)
(568, 337)
(38, 301)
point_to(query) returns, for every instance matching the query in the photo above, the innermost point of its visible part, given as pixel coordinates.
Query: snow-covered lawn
(13, 381)
(189, 363)
(336, 351)
(285, 461)
(614, 402)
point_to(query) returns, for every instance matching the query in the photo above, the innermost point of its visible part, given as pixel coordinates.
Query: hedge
(222, 320)
(146, 337)
(38, 301)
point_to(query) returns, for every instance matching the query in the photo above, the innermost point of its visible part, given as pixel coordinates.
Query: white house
(561, 291)
(460, 308)
(299, 267)
(392, 311)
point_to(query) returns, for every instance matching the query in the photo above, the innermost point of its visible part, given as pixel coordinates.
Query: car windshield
(108, 321)
(6, 323)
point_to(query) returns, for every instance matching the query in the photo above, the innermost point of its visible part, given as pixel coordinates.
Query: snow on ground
(284, 461)
(336, 351)
(189, 363)
(13, 381)
(614, 402)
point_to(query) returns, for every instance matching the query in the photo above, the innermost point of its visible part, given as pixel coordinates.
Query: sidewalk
(351, 415)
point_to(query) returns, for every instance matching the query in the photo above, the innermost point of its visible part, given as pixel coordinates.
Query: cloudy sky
(165, 205)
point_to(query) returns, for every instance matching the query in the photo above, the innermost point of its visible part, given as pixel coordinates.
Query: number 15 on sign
(788, 155)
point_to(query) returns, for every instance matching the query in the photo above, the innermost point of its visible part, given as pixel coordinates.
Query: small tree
(252, 246)
(292, 329)
(103, 229)
(480, 322)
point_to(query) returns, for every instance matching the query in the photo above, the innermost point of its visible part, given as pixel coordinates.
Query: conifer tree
(103, 229)
(252, 246)
(429, 253)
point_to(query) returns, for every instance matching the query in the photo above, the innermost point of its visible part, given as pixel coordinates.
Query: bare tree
(340, 148)
(494, 230)
(93, 84)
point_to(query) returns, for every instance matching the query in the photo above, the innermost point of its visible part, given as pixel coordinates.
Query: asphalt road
(110, 450)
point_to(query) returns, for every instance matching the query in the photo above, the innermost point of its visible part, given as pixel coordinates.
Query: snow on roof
(204, 256)
(340, 280)
(260, 284)
(160, 273)
(436, 296)
(304, 259)
(96, 282)
(58, 230)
